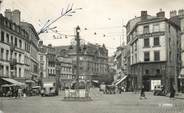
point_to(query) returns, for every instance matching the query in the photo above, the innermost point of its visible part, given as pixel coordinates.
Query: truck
(49, 89)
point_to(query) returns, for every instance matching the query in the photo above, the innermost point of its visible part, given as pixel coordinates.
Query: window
(19, 72)
(7, 53)
(156, 27)
(2, 52)
(157, 55)
(146, 42)
(20, 43)
(156, 41)
(132, 59)
(135, 58)
(132, 48)
(15, 41)
(135, 46)
(7, 70)
(170, 56)
(146, 29)
(2, 36)
(15, 55)
(11, 39)
(146, 56)
(15, 71)
(19, 58)
(157, 71)
(146, 71)
(7, 38)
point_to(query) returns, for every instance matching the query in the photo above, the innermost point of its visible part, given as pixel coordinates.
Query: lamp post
(77, 54)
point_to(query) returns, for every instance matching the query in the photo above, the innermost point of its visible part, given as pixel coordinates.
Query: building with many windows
(47, 57)
(33, 55)
(178, 18)
(154, 51)
(16, 47)
(64, 70)
(93, 60)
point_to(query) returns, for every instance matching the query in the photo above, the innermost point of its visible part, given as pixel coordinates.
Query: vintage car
(159, 90)
(49, 89)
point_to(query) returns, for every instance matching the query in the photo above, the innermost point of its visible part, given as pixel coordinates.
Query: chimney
(181, 12)
(8, 14)
(161, 14)
(16, 17)
(143, 15)
(173, 13)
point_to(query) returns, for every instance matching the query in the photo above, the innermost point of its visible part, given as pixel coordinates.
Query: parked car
(110, 89)
(36, 90)
(159, 90)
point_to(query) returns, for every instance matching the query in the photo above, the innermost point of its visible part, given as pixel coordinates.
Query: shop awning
(121, 80)
(96, 81)
(182, 72)
(14, 82)
(30, 81)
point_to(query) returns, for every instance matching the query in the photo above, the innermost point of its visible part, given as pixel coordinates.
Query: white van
(49, 89)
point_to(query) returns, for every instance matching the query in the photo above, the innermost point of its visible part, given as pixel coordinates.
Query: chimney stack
(161, 14)
(143, 15)
(8, 14)
(181, 12)
(173, 13)
(14, 16)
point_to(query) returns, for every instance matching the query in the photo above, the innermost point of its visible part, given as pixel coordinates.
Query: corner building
(154, 51)
(18, 48)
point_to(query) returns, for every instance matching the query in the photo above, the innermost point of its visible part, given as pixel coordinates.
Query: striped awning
(14, 82)
(122, 79)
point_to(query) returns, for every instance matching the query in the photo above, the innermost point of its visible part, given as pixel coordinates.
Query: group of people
(14, 92)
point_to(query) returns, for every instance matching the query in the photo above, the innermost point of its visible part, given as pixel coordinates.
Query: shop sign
(154, 34)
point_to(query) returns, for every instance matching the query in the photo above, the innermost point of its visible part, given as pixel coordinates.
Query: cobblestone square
(127, 102)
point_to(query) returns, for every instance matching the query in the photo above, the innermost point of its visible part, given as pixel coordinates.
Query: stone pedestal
(77, 95)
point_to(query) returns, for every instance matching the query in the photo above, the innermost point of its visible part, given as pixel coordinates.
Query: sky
(101, 21)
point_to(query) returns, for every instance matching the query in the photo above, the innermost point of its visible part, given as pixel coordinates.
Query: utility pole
(77, 54)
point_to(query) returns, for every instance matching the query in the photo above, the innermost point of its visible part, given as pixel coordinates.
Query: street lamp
(77, 55)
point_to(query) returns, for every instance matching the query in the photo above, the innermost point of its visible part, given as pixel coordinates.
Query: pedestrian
(172, 92)
(24, 92)
(19, 92)
(142, 94)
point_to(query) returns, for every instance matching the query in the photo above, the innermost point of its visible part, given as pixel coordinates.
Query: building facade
(47, 58)
(64, 71)
(33, 55)
(178, 18)
(13, 39)
(154, 51)
(93, 60)
(15, 47)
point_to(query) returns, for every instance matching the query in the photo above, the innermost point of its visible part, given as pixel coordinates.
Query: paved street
(118, 103)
